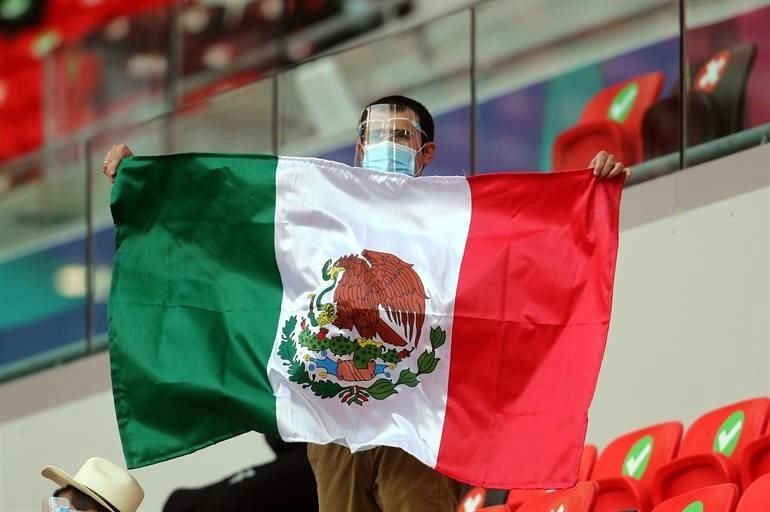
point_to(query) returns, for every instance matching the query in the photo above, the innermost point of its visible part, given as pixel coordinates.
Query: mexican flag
(461, 319)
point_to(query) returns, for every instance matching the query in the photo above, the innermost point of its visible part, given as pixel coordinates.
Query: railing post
(89, 210)
(683, 83)
(474, 110)
(173, 73)
(274, 114)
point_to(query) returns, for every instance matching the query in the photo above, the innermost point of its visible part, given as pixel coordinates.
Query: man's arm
(603, 164)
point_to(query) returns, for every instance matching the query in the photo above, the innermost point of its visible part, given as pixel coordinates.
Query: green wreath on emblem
(362, 352)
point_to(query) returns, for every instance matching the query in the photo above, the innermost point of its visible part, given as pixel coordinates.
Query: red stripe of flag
(530, 325)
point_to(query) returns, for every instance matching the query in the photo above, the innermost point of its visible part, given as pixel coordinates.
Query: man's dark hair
(403, 103)
(80, 500)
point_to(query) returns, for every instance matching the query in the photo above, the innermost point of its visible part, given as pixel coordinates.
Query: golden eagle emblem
(349, 340)
(374, 280)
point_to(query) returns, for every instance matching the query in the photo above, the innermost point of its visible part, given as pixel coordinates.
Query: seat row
(728, 447)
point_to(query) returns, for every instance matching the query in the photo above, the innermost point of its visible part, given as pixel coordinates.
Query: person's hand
(605, 166)
(112, 160)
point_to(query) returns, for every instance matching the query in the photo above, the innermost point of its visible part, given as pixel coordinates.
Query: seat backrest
(78, 79)
(587, 460)
(756, 460)
(625, 103)
(660, 127)
(727, 430)
(473, 500)
(756, 497)
(717, 498)
(640, 453)
(21, 89)
(578, 499)
(724, 77)
(611, 120)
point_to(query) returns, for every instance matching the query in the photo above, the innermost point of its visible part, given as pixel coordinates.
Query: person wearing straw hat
(98, 486)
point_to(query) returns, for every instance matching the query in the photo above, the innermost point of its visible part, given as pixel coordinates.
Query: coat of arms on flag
(364, 290)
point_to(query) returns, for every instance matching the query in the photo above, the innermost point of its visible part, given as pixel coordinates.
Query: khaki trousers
(383, 479)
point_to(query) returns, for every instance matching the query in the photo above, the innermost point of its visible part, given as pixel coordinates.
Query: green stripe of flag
(195, 301)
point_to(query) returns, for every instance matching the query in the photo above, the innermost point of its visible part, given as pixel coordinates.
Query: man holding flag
(396, 135)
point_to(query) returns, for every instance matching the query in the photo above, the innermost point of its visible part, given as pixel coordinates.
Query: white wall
(690, 331)
(66, 435)
(691, 318)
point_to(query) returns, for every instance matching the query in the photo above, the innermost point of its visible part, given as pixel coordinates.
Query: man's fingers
(598, 162)
(112, 168)
(609, 164)
(113, 158)
(616, 170)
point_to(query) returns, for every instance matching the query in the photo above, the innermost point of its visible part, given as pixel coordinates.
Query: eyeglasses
(393, 130)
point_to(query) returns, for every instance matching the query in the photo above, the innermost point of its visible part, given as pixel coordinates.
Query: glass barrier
(242, 119)
(320, 102)
(570, 83)
(43, 263)
(726, 48)
(511, 87)
(116, 72)
(238, 117)
(728, 54)
(103, 62)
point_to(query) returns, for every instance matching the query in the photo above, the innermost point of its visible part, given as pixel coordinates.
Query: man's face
(398, 126)
(70, 496)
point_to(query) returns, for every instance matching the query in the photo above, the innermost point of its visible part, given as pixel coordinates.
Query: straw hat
(110, 485)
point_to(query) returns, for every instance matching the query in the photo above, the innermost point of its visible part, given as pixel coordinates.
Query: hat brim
(63, 479)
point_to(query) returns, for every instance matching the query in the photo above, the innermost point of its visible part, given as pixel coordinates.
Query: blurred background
(677, 89)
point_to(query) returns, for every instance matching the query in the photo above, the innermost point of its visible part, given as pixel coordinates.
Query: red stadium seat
(21, 120)
(724, 77)
(717, 498)
(21, 89)
(578, 499)
(618, 494)
(587, 462)
(715, 104)
(473, 500)
(626, 468)
(78, 78)
(19, 135)
(611, 121)
(712, 449)
(194, 100)
(21, 104)
(756, 497)
(516, 497)
(756, 460)
(71, 20)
